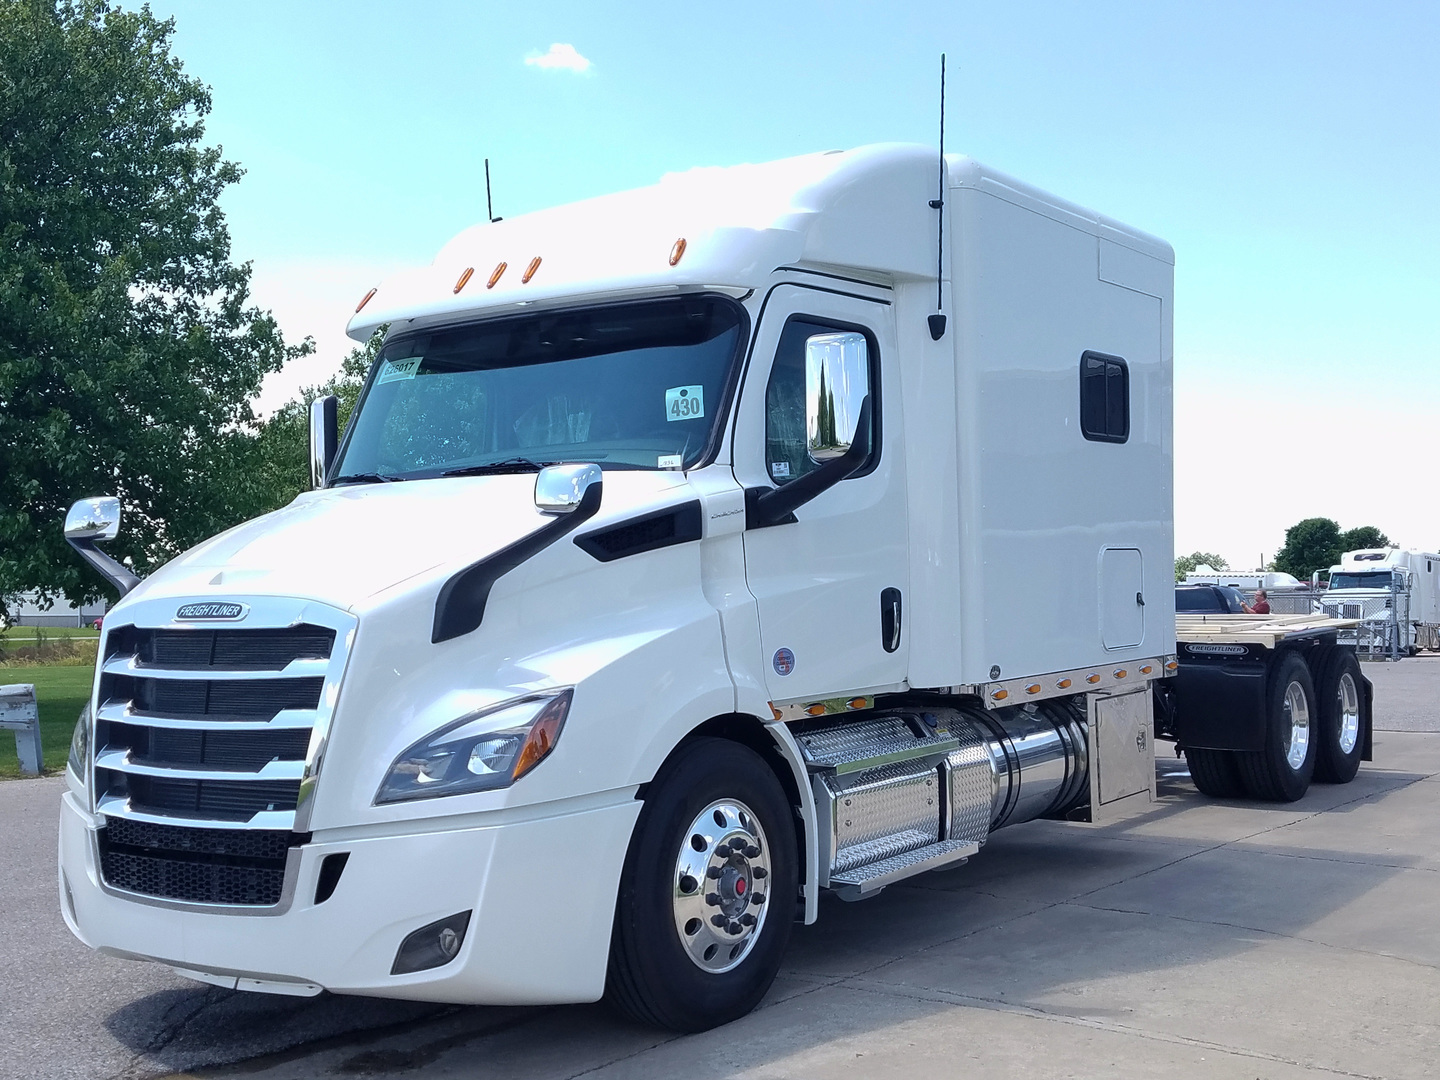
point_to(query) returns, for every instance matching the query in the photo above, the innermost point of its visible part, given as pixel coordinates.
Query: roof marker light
(464, 278)
(364, 300)
(496, 275)
(678, 251)
(530, 270)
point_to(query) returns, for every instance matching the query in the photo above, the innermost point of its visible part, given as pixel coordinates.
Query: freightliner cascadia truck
(691, 553)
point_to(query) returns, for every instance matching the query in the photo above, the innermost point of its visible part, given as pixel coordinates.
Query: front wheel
(707, 897)
(1281, 772)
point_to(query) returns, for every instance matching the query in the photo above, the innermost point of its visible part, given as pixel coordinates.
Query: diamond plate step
(867, 880)
(869, 744)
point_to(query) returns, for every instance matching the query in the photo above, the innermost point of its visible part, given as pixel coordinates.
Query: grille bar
(266, 649)
(121, 807)
(131, 666)
(121, 761)
(123, 712)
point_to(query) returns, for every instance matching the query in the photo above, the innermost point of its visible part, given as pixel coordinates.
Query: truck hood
(345, 545)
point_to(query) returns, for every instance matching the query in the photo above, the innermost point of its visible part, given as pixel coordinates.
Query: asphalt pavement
(1198, 938)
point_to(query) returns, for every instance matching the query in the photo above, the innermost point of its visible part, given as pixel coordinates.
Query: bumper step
(868, 880)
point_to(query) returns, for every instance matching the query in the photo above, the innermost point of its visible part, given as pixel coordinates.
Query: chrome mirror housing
(837, 381)
(93, 519)
(560, 488)
(324, 433)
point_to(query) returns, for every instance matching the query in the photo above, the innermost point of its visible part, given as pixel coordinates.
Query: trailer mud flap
(1121, 741)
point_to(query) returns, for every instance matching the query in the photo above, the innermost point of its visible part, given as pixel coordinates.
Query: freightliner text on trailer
(684, 559)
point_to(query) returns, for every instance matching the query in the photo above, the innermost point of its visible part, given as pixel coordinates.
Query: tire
(1282, 771)
(670, 965)
(1340, 730)
(1215, 773)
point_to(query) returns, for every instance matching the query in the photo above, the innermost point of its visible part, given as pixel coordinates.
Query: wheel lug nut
(723, 851)
(757, 898)
(734, 928)
(758, 872)
(713, 873)
(713, 899)
(748, 919)
(752, 851)
(718, 920)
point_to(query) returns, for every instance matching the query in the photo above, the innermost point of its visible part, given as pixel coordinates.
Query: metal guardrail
(19, 713)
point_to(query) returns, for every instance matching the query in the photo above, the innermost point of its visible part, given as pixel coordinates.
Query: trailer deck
(1267, 630)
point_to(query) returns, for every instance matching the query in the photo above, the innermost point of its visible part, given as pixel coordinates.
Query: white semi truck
(691, 552)
(1395, 593)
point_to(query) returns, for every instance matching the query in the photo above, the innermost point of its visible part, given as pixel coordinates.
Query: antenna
(489, 209)
(937, 321)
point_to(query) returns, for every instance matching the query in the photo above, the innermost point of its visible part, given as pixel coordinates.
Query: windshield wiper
(364, 478)
(509, 465)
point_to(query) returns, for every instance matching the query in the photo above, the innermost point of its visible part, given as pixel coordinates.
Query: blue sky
(1288, 151)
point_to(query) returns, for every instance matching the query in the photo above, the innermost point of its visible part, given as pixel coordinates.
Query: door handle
(890, 619)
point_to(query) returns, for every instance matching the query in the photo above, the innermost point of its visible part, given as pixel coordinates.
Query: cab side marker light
(530, 271)
(460, 284)
(677, 252)
(496, 275)
(364, 300)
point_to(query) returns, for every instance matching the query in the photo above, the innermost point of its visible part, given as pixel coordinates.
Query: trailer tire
(1281, 772)
(1342, 719)
(671, 965)
(1215, 773)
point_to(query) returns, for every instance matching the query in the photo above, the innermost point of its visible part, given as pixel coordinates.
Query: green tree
(1310, 545)
(1186, 563)
(1363, 536)
(129, 350)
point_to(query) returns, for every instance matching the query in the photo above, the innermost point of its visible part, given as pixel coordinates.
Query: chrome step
(870, 744)
(867, 880)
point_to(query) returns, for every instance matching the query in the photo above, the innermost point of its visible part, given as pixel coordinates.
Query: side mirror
(837, 382)
(560, 489)
(324, 433)
(91, 521)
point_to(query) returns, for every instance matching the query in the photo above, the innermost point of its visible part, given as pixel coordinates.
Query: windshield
(634, 386)
(1372, 580)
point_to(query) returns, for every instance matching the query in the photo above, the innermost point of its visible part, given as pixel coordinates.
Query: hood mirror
(837, 381)
(88, 523)
(559, 489)
(324, 434)
(93, 519)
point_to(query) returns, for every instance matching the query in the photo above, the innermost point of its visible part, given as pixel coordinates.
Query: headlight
(80, 744)
(483, 750)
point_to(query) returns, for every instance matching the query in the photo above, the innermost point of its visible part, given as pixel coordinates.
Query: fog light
(432, 946)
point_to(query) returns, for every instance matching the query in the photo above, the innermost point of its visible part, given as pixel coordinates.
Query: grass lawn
(61, 692)
(25, 635)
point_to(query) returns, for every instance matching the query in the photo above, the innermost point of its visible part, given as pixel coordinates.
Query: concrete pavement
(1199, 939)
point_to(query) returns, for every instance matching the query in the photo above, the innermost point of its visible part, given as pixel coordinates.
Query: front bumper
(542, 890)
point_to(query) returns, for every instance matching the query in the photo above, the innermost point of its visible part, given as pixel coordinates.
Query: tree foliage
(1186, 563)
(1317, 544)
(129, 350)
(1361, 537)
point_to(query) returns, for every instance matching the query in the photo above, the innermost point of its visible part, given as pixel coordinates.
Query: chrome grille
(206, 743)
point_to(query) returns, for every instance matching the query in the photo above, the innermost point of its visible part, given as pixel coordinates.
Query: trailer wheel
(1341, 728)
(1215, 773)
(697, 939)
(1282, 771)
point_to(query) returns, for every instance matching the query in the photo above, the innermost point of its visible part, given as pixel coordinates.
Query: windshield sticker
(780, 469)
(670, 461)
(685, 403)
(395, 370)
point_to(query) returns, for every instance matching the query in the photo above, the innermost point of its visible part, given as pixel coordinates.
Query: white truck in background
(1395, 593)
(681, 562)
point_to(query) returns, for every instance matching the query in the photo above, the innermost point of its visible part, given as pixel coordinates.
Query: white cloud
(561, 57)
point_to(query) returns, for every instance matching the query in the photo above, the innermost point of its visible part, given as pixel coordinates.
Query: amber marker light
(677, 252)
(540, 739)
(1171, 665)
(1063, 684)
(815, 710)
(1146, 670)
(857, 703)
(1120, 673)
(364, 300)
(1000, 695)
(1092, 678)
(1033, 688)
(496, 275)
(776, 712)
(460, 284)
(530, 270)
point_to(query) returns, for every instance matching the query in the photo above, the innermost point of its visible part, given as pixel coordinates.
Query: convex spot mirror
(837, 381)
(93, 519)
(560, 488)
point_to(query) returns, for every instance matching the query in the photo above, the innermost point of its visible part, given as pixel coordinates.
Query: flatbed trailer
(1261, 705)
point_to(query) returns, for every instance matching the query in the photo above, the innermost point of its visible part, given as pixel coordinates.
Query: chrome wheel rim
(1348, 698)
(719, 889)
(1297, 726)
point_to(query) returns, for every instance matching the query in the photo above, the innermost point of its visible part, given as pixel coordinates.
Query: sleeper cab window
(822, 374)
(1104, 398)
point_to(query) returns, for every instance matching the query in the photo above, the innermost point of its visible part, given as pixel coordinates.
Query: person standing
(1261, 605)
